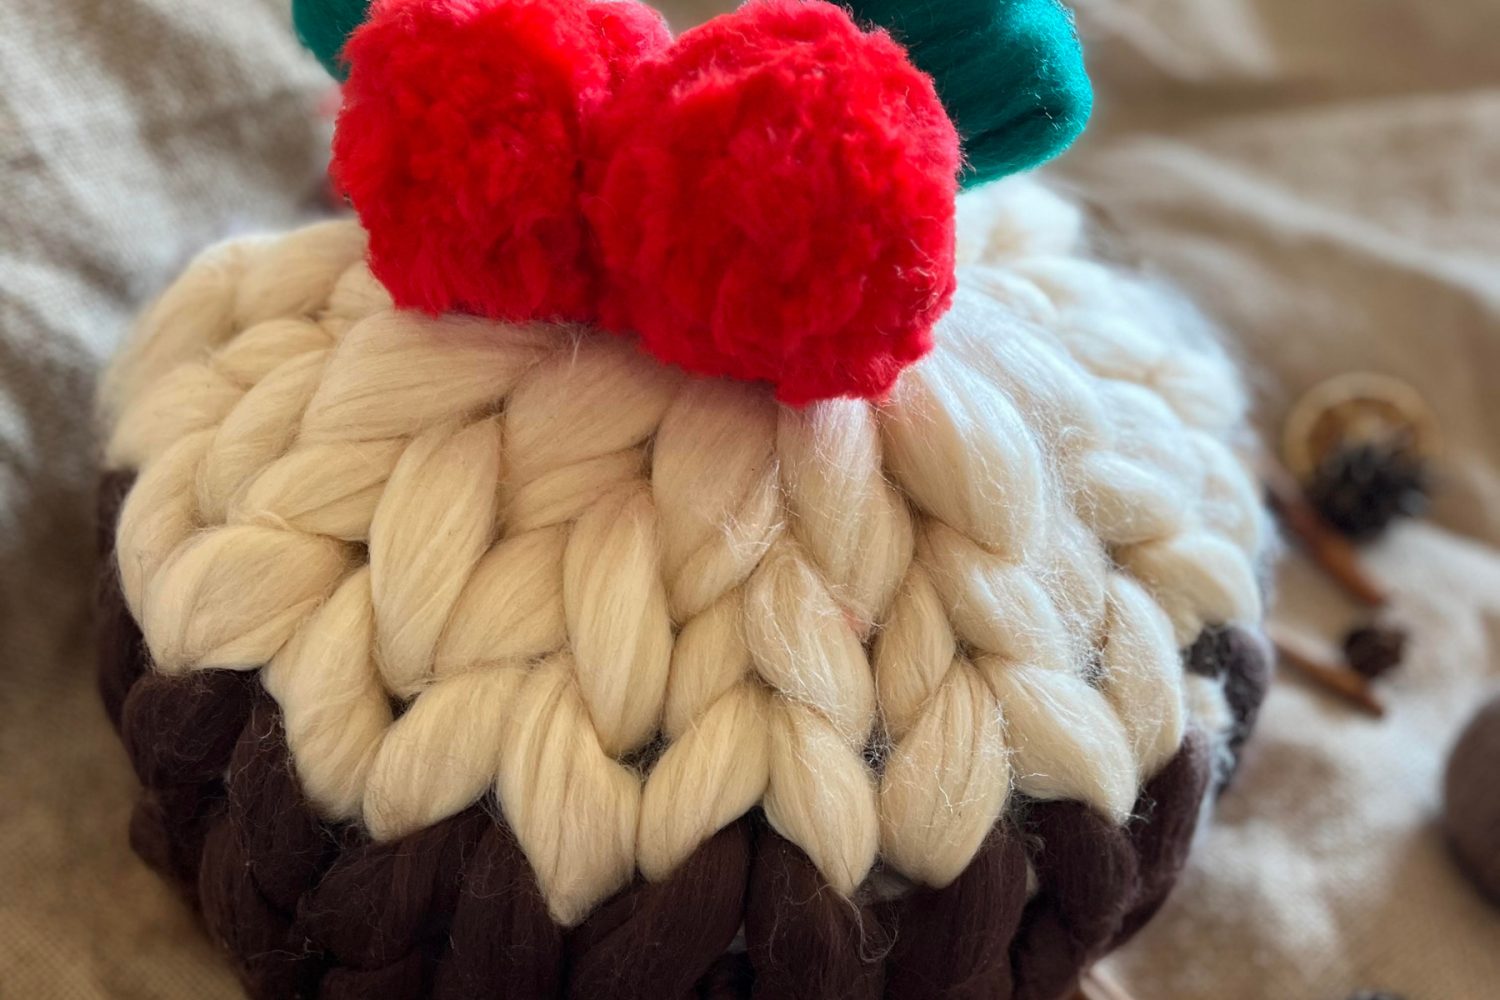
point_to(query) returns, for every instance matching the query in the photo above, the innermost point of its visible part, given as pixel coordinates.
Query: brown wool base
(310, 909)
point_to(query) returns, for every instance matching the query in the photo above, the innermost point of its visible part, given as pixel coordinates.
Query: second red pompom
(773, 199)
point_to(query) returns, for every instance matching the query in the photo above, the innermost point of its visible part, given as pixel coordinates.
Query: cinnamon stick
(1337, 680)
(1334, 553)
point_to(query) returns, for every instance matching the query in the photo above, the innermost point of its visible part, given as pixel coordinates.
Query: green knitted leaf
(325, 25)
(1010, 73)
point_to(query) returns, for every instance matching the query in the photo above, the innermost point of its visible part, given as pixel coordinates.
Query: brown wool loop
(954, 943)
(405, 979)
(1086, 873)
(730, 978)
(261, 856)
(285, 846)
(211, 706)
(184, 788)
(380, 902)
(504, 944)
(168, 827)
(618, 952)
(806, 941)
(270, 957)
(1167, 817)
(122, 655)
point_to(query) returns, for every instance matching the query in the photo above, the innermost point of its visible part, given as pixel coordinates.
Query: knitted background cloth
(461, 658)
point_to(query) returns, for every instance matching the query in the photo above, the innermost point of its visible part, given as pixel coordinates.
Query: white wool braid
(637, 605)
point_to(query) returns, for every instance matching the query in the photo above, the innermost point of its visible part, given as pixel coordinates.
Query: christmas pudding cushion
(702, 571)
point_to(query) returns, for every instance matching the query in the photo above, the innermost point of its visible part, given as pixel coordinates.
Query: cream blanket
(1320, 174)
(1324, 177)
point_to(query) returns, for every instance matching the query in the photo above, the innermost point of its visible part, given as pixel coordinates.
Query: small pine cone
(1374, 650)
(1361, 489)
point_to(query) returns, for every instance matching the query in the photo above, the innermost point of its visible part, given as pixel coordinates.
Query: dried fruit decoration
(1362, 446)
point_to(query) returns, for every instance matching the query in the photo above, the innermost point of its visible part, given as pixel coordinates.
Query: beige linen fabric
(1320, 174)
(132, 133)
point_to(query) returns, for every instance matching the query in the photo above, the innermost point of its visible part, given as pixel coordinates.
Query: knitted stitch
(282, 891)
(638, 612)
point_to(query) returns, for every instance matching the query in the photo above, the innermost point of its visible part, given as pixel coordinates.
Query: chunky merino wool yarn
(671, 546)
(469, 658)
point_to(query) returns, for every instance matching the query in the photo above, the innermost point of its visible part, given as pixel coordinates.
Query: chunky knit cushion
(480, 659)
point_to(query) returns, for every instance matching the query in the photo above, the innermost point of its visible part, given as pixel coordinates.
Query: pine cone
(1374, 650)
(1361, 489)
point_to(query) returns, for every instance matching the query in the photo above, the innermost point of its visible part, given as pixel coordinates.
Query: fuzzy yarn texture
(1010, 72)
(773, 200)
(324, 26)
(461, 141)
(454, 653)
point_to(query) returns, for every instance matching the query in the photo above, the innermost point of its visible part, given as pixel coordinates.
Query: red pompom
(460, 146)
(629, 31)
(773, 200)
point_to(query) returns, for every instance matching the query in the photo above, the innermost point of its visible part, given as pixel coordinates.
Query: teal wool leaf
(1010, 73)
(325, 25)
